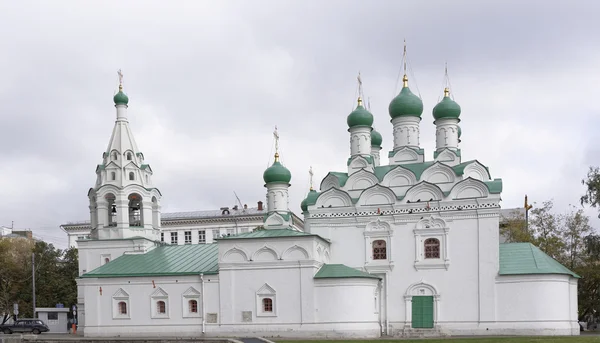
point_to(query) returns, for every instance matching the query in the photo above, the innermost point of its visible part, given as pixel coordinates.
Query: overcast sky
(208, 81)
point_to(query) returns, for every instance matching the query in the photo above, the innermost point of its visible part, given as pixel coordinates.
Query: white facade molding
(266, 293)
(159, 295)
(120, 296)
(436, 228)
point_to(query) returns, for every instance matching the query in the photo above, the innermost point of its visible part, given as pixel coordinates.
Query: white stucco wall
(143, 320)
(537, 304)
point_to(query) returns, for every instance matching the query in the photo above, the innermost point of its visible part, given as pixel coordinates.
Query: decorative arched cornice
(421, 288)
(378, 225)
(112, 164)
(266, 249)
(422, 192)
(266, 289)
(358, 162)
(438, 173)
(468, 189)
(235, 251)
(377, 195)
(330, 181)
(333, 197)
(431, 222)
(294, 248)
(191, 291)
(120, 293)
(399, 176)
(405, 154)
(476, 171)
(106, 189)
(361, 179)
(159, 292)
(275, 219)
(446, 155)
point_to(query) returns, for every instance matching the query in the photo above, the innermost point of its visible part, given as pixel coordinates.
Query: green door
(422, 312)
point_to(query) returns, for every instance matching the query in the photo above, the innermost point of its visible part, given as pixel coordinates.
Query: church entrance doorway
(422, 312)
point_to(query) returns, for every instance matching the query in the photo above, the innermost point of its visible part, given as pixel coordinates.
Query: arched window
(147, 178)
(106, 260)
(267, 305)
(136, 217)
(193, 306)
(131, 176)
(122, 307)
(161, 307)
(129, 156)
(113, 176)
(112, 213)
(432, 248)
(379, 250)
(114, 156)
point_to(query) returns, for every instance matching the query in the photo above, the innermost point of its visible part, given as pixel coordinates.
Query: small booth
(55, 318)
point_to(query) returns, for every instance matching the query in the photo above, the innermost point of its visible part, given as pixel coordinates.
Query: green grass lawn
(583, 339)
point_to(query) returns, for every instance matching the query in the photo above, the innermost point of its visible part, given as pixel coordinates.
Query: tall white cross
(120, 77)
(310, 172)
(359, 85)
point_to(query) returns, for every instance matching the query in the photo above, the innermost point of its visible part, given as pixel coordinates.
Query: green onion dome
(447, 108)
(376, 139)
(121, 98)
(310, 198)
(277, 172)
(360, 116)
(406, 103)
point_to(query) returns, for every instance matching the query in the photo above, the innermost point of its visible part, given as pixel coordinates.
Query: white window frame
(374, 231)
(120, 296)
(201, 236)
(159, 295)
(431, 227)
(216, 233)
(191, 294)
(187, 237)
(266, 292)
(175, 235)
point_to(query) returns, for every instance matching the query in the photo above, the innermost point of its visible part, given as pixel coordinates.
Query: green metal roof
(340, 271)
(526, 258)
(270, 233)
(163, 261)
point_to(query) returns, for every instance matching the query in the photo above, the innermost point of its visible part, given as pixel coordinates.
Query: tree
(545, 226)
(592, 192)
(15, 271)
(576, 229)
(514, 228)
(55, 274)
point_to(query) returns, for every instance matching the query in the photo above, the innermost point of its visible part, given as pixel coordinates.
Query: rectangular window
(201, 236)
(52, 315)
(188, 237)
(173, 237)
(215, 233)
(230, 232)
(244, 229)
(162, 236)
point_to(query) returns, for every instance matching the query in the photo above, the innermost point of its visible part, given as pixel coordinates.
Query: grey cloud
(209, 80)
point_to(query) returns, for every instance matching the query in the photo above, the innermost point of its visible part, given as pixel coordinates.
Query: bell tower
(124, 202)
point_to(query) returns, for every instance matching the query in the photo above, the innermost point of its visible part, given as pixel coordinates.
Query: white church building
(400, 249)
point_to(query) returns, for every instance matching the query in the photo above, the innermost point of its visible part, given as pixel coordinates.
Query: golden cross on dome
(276, 135)
(310, 172)
(120, 79)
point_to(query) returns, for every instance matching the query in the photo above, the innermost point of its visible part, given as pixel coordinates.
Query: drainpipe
(300, 278)
(387, 318)
(202, 295)
(379, 308)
